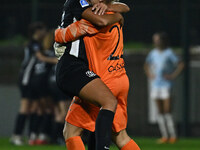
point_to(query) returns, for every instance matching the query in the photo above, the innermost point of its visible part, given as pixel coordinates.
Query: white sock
(33, 136)
(42, 136)
(161, 124)
(170, 125)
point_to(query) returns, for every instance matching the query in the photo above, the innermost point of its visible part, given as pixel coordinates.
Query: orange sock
(131, 145)
(75, 143)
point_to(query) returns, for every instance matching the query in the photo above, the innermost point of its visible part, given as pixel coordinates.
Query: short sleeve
(174, 59)
(149, 58)
(78, 7)
(36, 47)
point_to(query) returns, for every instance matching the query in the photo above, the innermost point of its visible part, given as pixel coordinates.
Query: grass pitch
(144, 143)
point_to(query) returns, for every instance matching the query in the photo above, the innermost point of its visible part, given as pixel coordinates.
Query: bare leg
(98, 93)
(24, 106)
(63, 106)
(72, 137)
(123, 141)
(71, 131)
(159, 104)
(161, 121)
(166, 106)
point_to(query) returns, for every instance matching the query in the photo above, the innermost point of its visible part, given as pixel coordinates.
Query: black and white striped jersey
(29, 61)
(72, 12)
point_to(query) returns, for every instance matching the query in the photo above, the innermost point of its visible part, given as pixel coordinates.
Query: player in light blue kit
(162, 67)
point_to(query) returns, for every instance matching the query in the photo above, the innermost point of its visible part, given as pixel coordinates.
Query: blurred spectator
(37, 32)
(61, 101)
(40, 127)
(162, 67)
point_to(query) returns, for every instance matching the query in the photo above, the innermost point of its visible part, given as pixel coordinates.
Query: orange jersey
(105, 52)
(104, 48)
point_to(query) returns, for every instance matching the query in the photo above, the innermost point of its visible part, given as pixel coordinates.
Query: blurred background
(179, 18)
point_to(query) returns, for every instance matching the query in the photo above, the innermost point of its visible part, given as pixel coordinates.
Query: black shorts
(39, 87)
(57, 94)
(72, 74)
(25, 90)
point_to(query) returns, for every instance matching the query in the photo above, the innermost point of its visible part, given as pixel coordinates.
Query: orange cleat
(172, 140)
(162, 141)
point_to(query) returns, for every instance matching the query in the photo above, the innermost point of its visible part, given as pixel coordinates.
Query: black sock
(35, 121)
(104, 129)
(60, 130)
(20, 124)
(45, 126)
(31, 122)
(91, 141)
(57, 131)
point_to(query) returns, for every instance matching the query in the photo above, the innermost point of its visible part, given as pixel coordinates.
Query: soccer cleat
(32, 139)
(17, 140)
(162, 141)
(172, 140)
(32, 142)
(41, 142)
(42, 139)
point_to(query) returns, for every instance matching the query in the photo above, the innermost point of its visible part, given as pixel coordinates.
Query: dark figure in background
(37, 32)
(30, 82)
(54, 96)
(41, 125)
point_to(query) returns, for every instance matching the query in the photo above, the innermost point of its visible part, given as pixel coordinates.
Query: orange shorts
(83, 114)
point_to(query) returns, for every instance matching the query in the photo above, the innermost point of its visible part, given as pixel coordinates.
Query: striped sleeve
(75, 31)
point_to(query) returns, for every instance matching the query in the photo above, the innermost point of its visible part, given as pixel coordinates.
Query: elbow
(39, 56)
(102, 23)
(127, 9)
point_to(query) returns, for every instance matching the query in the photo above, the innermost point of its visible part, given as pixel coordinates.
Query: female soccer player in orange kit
(104, 49)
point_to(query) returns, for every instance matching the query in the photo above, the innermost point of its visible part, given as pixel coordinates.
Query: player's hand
(151, 76)
(99, 8)
(169, 76)
(59, 50)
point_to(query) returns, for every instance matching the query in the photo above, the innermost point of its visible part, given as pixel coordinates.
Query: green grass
(144, 143)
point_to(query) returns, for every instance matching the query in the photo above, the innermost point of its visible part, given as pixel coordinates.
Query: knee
(24, 107)
(121, 138)
(71, 131)
(110, 104)
(114, 103)
(24, 110)
(65, 133)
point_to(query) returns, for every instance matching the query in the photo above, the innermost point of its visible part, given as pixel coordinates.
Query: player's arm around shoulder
(118, 7)
(101, 20)
(96, 15)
